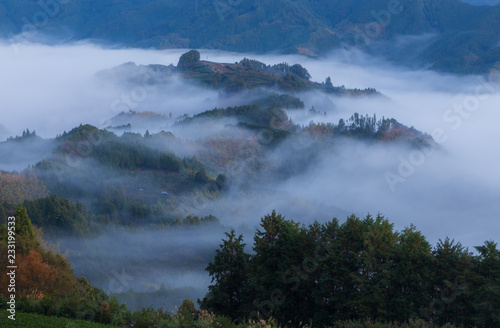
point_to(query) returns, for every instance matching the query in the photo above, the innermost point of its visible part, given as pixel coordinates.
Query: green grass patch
(40, 321)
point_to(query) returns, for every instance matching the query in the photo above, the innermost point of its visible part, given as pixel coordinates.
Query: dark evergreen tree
(411, 278)
(279, 255)
(229, 271)
(485, 287)
(328, 82)
(452, 283)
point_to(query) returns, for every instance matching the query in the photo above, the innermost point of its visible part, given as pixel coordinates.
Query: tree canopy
(360, 269)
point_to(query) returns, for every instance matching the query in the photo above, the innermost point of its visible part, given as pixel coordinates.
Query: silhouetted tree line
(367, 127)
(282, 101)
(256, 114)
(130, 151)
(361, 269)
(281, 68)
(26, 135)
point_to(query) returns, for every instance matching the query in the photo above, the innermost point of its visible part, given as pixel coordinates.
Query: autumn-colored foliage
(221, 151)
(15, 188)
(34, 277)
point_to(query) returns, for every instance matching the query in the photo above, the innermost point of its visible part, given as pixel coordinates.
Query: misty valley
(212, 188)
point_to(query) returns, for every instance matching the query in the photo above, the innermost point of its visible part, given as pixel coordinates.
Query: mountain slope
(466, 35)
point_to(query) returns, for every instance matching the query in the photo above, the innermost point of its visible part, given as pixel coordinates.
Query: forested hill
(247, 74)
(464, 37)
(136, 179)
(327, 274)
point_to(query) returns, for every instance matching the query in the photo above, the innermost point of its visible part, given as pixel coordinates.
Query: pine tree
(486, 286)
(24, 227)
(279, 251)
(328, 82)
(229, 272)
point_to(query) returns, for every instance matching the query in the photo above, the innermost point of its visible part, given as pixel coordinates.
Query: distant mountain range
(447, 35)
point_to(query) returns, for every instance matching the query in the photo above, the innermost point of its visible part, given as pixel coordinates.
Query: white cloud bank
(453, 192)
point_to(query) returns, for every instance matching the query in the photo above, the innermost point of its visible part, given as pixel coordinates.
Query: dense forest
(468, 43)
(330, 274)
(356, 270)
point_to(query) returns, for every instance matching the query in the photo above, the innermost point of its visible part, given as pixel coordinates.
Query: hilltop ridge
(247, 74)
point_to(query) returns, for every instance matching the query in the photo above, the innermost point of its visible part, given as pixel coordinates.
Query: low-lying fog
(451, 191)
(146, 260)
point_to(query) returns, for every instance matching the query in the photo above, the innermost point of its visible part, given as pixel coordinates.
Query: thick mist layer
(170, 262)
(53, 89)
(447, 191)
(451, 189)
